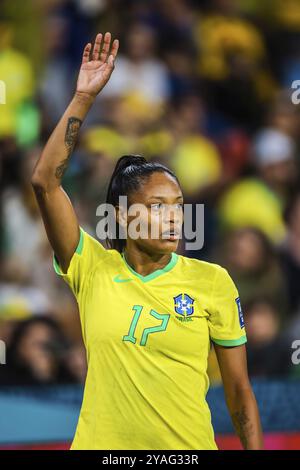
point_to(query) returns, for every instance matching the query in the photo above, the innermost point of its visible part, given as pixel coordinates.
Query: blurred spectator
(260, 201)
(284, 42)
(275, 159)
(195, 158)
(232, 60)
(36, 355)
(180, 142)
(234, 149)
(253, 263)
(268, 352)
(139, 70)
(290, 254)
(284, 116)
(225, 35)
(21, 217)
(174, 20)
(27, 254)
(56, 86)
(17, 74)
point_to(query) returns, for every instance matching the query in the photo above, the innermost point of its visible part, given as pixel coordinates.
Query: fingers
(113, 52)
(106, 47)
(98, 54)
(114, 49)
(97, 47)
(86, 53)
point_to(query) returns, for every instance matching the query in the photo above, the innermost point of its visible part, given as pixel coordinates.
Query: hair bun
(129, 160)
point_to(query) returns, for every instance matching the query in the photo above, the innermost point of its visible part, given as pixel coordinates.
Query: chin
(161, 246)
(167, 246)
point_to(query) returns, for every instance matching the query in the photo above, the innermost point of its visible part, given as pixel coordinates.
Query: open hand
(97, 65)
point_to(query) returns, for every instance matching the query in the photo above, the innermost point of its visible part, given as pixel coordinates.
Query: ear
(121, 216)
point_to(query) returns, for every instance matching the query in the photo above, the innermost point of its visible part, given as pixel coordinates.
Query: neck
(145, 263)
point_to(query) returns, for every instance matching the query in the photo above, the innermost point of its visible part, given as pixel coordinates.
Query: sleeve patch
(240, 312)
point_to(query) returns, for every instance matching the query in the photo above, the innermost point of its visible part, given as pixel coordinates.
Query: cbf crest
(184, 306)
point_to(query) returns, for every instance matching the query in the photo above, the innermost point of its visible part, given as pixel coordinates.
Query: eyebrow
(163, 197)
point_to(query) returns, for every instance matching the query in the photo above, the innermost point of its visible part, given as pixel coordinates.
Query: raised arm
(56, 209)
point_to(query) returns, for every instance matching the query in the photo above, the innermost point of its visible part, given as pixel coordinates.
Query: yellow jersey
(147, 340)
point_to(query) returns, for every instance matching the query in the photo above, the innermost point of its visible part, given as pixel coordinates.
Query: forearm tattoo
(243, 426)
(73, 127)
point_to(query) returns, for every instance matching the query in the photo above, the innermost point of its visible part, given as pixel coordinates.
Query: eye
(156, 206)
(179, 205)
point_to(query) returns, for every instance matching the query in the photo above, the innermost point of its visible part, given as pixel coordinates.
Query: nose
(173, 217)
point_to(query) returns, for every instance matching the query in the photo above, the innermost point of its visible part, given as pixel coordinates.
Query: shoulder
(99, 261)
(201, 268)
(90, 243)
(90, 248)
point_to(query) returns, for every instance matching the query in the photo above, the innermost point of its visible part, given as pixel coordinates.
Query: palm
(95, 73)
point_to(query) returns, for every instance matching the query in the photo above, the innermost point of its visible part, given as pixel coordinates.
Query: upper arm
(60, 222)
(233, 367)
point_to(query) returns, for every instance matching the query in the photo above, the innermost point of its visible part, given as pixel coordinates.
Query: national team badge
(183, 305)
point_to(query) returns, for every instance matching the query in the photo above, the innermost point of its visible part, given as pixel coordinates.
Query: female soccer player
(147, 314)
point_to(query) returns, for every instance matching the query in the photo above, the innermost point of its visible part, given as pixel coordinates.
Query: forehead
(159, 184)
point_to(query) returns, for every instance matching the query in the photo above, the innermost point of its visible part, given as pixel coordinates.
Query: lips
(171, 235)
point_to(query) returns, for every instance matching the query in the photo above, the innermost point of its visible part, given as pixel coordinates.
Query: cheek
(180, 217)
(151, 224)
(144, 225)
(155, 221)
(148, 218)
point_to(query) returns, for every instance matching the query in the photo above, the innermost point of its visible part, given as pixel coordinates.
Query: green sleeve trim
(80, 243)
(230, 342)
(56, 266)
(78, 250)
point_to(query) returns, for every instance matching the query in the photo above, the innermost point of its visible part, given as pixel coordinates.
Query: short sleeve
(87, 254)
(226, 322)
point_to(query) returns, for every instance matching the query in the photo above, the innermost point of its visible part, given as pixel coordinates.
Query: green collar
(157, 272)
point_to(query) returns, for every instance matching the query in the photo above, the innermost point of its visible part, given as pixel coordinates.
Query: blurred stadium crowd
(203, 86)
